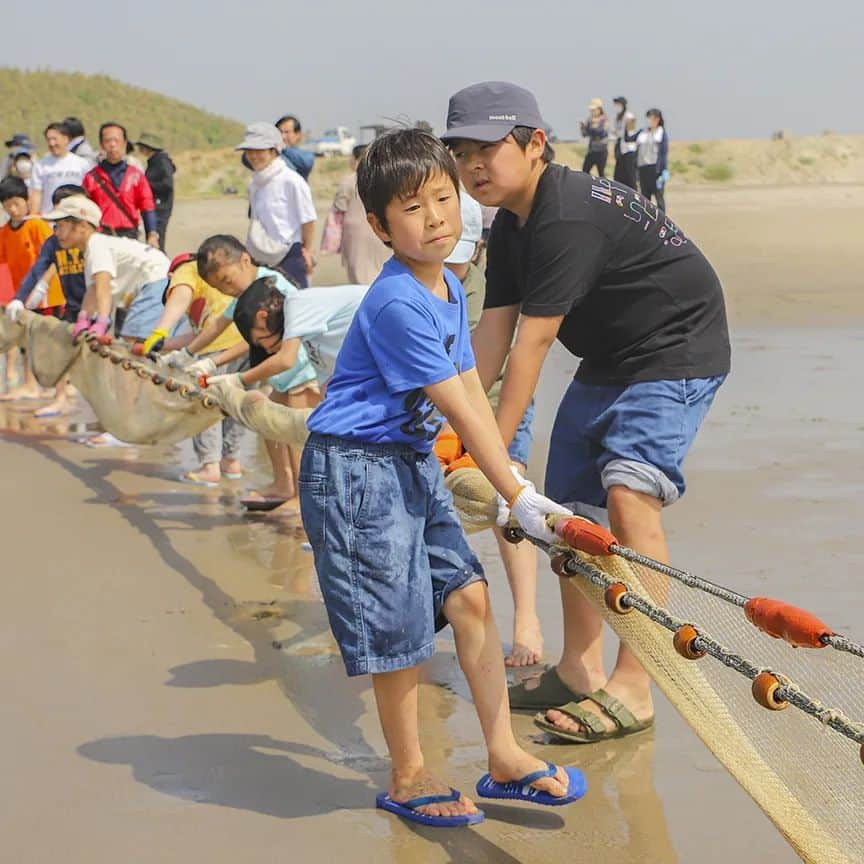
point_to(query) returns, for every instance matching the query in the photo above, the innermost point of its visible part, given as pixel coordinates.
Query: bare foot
(208, 473)
(527, 644)
(520, 764)
(231, 467)
(274, 490)
(403, 789)
(56, 408)
(21, 393)
(638, 701)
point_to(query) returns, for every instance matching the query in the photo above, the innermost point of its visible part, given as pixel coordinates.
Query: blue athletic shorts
(388, 548)
(635, 436)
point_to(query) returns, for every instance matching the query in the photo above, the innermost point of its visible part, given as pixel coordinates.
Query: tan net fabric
(135, 399)
(805, 776)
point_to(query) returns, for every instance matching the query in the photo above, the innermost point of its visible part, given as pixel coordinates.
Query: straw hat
(595, 103)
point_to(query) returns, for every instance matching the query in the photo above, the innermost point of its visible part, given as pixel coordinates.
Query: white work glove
(530, 510)
(178, 359)
(14, 309)
(231, 379)
(202, 366)
(37, 295)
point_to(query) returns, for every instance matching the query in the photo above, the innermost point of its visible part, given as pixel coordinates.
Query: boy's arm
(491, 341)
(209, 334)
(282, 360)
(473, 421)
(232, 353)
(44, 261)
(176, 306)
(533, 341)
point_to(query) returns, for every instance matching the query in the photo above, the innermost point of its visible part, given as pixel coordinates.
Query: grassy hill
(31, 100)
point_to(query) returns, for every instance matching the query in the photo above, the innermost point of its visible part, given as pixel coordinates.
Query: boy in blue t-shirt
(392, 559)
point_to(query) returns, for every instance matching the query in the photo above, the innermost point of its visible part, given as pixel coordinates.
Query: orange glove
(464, 461)
(447, 448)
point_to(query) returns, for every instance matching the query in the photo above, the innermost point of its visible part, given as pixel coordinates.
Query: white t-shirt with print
(320, 318)
(51, 172)
(130, 263)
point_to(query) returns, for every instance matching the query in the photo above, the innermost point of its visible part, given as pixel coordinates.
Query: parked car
(334, 142)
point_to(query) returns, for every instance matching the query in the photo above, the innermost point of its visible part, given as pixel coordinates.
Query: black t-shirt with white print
(640, 301)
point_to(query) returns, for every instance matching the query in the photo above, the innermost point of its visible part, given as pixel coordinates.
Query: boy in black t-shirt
(594, 264)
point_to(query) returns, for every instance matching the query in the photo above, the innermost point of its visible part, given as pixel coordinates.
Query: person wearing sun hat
(160, 175)
(282, 213)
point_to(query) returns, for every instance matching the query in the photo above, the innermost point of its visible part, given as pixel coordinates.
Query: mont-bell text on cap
(489, 111)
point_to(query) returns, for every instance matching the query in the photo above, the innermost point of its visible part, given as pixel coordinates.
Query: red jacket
(134, 192)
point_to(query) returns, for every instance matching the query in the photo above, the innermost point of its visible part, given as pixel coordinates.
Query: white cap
(472, 231)
(76, 207)
(261, 136)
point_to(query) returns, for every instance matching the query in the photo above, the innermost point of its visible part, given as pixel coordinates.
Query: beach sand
(172, 690)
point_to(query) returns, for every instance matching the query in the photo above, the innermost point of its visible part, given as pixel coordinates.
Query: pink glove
(82, 323)
(100, 326)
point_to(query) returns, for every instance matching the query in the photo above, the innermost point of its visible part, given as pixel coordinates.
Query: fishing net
(135, 399)
(785, 721)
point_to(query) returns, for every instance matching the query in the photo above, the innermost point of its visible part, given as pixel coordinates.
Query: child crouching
(392, 559)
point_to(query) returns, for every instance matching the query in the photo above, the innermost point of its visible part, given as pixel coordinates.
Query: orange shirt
(19, 248)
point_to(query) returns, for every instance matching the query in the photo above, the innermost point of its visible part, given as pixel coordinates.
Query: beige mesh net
(801, 763)
(135, 399)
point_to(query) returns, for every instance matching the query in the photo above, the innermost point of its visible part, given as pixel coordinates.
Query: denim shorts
(145, 310)
(635, 436)
(520, 447)
(388, 548)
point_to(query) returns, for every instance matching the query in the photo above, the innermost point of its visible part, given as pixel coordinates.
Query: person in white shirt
(58, 168)
(117, 270)
(282, 226)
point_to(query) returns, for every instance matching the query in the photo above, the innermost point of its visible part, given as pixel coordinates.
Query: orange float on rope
(559, 564)
(614, 598)
(765, 687)
(684, 642)
(585, 536)
(781, 620)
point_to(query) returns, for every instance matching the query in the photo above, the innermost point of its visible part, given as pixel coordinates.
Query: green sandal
(595, 729)
(549, 693)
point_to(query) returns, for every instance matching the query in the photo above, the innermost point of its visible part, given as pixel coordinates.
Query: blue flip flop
(408, 810)
(522, 790)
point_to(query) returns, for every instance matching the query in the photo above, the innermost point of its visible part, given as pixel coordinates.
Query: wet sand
(172, 692)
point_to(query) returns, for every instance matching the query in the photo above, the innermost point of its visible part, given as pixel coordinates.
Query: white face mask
(23, 167)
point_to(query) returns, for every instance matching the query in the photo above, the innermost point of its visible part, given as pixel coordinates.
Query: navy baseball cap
(19, 139)
(490, 111)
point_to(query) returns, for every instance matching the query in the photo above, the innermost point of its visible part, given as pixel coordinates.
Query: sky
(729, 69)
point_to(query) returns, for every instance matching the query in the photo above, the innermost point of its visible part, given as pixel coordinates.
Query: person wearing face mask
(121, 190)
(282, 213)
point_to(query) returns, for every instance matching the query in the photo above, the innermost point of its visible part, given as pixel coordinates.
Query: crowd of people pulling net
(386, 364)
(697, 639)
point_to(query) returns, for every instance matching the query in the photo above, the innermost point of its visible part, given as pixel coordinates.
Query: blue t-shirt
(402, 339)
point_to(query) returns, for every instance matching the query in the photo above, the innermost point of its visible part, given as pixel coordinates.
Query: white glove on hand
(203, 366)
(178, 359)
(530, 510)
(37, 295)
(13, 309)
(231, 379)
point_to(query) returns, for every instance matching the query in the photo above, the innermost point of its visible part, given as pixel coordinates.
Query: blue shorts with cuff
(635, 436)
(388, 548)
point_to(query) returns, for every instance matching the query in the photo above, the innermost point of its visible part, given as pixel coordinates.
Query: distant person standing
(596, 130)
(78, 143)
(653, 158)
(282, 213)
(120, 190)
(363, 254)
(16, 144)
(58, 168)
(302, 161)
(625, 132)
(160, 175)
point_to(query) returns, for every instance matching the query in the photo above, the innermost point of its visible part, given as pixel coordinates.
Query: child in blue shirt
(393, 562)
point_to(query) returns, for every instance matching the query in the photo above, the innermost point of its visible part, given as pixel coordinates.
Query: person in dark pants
(596, 130)
(625, 133)
(160, 174)
(652, 157)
